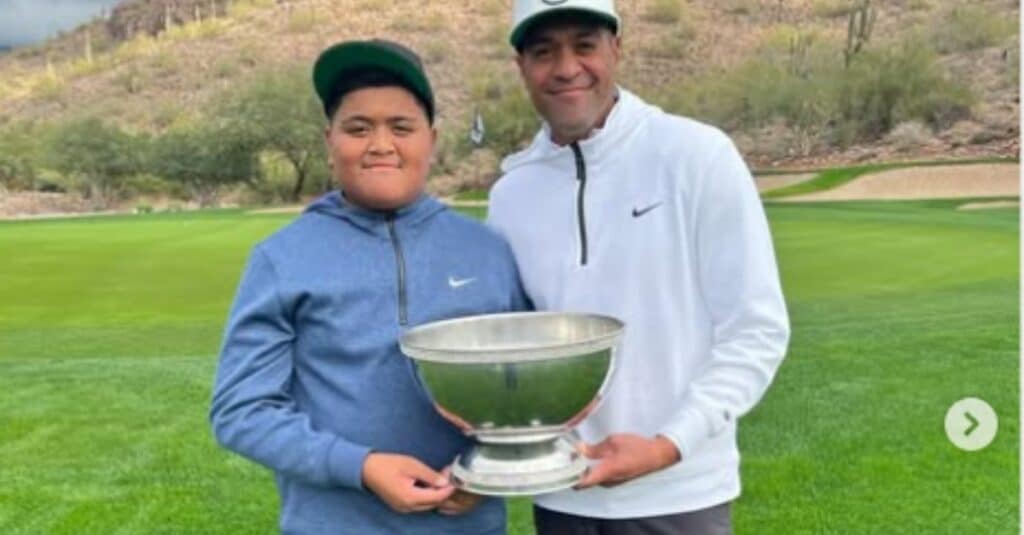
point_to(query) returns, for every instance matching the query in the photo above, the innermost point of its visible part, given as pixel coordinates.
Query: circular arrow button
(971, 424)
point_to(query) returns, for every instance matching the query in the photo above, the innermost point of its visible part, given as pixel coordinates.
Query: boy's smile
(380, 144)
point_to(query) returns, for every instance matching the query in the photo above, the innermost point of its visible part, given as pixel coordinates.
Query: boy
(311, 382)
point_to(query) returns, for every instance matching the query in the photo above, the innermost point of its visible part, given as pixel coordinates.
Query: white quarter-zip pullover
(654, 220)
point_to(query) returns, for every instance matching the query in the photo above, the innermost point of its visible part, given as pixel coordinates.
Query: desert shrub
(301, 20)
(831, 9)
(437, 50)
(673, 43)
(240, 8)
(196, 29)
(664, 11)
(510, 120)
(889, 85)
(787, 79)
(433, 22)
(799, 78)
(909, 135)
(970, 27)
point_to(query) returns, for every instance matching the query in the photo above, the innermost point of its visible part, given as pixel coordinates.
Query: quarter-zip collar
(389, 225)
(413, 214)
(579, 158)
(581, 218)
(623, 121)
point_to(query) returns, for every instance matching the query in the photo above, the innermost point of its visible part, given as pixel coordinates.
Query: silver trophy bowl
(517, 383)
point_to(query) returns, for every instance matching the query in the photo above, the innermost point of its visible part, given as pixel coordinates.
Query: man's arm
(740, 287)
(252, 412)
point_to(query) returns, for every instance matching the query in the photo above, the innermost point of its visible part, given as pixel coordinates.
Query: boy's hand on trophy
(460, 501)
(404, 483)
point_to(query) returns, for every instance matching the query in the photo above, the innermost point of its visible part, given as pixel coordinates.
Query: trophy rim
(509, 353)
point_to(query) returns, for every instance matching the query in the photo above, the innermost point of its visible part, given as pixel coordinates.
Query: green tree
(97, 155)
(278, 112)
(19, 156)
(16, 173)
(204, 158)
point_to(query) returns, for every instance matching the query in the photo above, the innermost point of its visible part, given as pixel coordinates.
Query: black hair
(364, 78)
(563, 18)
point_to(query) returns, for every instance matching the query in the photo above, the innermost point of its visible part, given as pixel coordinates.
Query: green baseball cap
(350, 56)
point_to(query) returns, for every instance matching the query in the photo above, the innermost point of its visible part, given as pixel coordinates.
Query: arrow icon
(974, 424)
(971, 424)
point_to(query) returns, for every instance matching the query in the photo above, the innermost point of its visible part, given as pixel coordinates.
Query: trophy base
(519, 469)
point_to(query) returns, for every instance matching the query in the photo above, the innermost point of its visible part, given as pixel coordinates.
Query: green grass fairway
(898, 309)
(109, 330)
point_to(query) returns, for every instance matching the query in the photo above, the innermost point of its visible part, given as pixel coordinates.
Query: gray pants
(714, 520)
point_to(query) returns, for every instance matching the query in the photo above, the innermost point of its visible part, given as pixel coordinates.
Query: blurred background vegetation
(208, 102)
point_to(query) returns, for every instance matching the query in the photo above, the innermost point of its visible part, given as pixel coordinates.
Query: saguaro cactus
(858, 31)
(87, 52)
(167, 17)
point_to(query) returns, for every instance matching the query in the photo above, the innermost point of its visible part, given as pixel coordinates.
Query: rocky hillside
(150, 62)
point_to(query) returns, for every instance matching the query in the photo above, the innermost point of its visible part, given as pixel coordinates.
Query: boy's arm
(252, 412)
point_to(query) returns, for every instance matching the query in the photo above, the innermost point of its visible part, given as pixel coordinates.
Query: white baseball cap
(527, 12)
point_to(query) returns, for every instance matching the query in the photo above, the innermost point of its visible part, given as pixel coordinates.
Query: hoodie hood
(335, 204)
(625, 119)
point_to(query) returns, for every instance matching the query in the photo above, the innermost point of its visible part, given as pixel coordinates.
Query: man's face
(380, 143)
(569, 71)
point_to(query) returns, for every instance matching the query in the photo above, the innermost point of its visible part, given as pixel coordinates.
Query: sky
(27, 22)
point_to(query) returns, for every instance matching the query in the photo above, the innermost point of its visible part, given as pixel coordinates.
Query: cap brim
(516, 37)
(340, 59)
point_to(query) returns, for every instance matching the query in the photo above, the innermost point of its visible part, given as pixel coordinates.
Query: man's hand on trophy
(453, 419)
(624, 457)
(460, 501)
(404, 483)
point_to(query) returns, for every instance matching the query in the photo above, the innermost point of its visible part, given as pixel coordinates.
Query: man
(622, 209)
(311, 382)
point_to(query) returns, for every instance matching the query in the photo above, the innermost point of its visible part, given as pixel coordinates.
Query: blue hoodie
(311, 378)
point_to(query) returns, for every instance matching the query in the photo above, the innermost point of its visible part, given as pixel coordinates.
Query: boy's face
(569, 71)
(380, 144)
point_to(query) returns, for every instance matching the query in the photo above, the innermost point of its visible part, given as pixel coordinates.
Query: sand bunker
(291, 209)
(938, 182)
(988, 205)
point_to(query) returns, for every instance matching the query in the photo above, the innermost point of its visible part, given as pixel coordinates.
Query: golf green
(109, 330)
